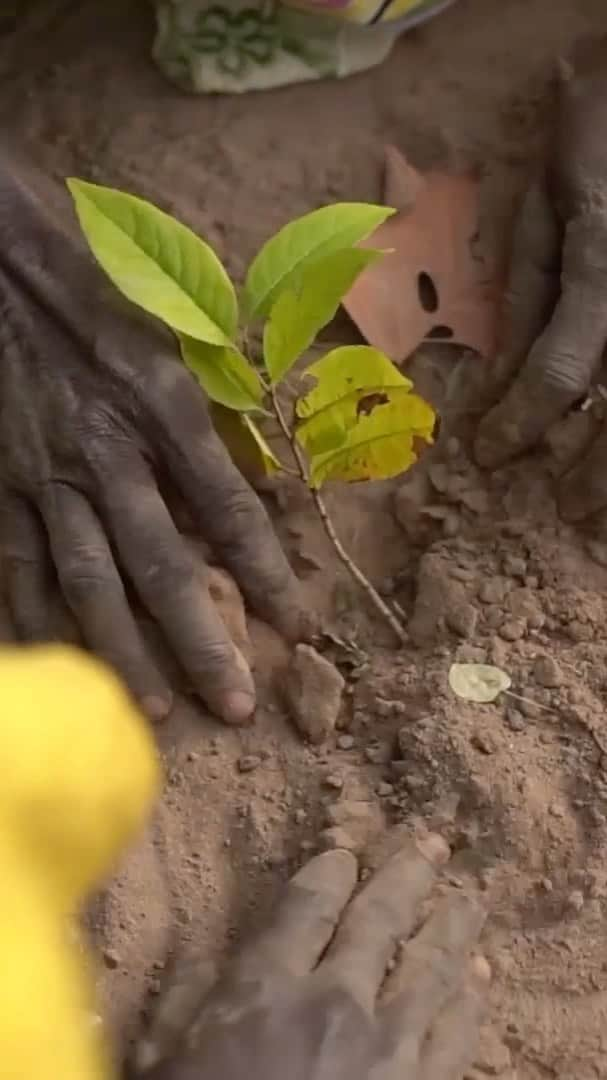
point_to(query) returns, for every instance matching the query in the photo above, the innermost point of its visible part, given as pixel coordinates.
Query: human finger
(452, 1044)
(229, 513)
(382, 915)
(27, 568)
(94, 592)
(531, 291)
(157, 560)
(304, 921)
(431, 968)
(561, 363)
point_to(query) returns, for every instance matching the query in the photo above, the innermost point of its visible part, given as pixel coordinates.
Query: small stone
(111, 959)
(481, 741)
(345, 742)
(439, 477)
(475, 500)
(378, 755)
(515, 720)
(579, 631)
(575, 901)
(384, 789)
(300, 817)
(359, 819)
(334, 781)
(313, 689)
(493, 591)
(470, 654)
(248, 763)
(547, 885)
(498, 652)
(515, 566)
(462, 620)
(452, 447)
(512, 629)
(462, 573)
(547, 672)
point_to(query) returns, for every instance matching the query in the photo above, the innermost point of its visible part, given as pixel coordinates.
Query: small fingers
(452, 1044)
(159, 564)
(230, 515)
(531, 292)
(561, 363)
(95, 594)
(27, 568)
(186, 982)
(432, 968)
(305, 919)
(384, 913)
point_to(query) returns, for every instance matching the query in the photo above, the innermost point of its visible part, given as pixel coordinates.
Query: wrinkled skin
(311, 997)
(555, 328)
(98, 419)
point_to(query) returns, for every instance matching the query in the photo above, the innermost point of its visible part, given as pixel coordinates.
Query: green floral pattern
(236, 38)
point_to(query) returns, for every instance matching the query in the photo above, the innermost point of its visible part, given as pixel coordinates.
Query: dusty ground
(521, 787)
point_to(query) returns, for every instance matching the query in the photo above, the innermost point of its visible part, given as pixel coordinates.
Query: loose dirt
(480, 564)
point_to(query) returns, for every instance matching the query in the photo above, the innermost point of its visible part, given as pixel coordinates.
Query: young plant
(355, 417)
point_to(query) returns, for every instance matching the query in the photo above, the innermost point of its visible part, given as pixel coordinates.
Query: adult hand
(556, 311)
(345, 989)
(99, 418)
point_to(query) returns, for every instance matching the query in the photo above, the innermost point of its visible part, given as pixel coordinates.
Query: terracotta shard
(436, 283)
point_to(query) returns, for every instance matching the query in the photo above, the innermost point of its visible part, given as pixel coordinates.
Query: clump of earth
(478, 564)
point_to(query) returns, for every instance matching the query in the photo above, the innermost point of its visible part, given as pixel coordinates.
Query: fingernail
(237, 707)
(157, 707)
(480, 970)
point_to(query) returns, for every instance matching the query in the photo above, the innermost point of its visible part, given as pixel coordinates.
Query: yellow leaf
(360, 421)
(481, 683)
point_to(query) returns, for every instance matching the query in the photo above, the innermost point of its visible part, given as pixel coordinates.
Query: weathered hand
(99, 418)
(311, 997)
(556, 309)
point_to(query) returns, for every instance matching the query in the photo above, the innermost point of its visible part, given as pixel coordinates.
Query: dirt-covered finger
(432, 967)
(231, 516)
(532, 289)
(382, 916)
(304, 921)
(453, 1041)
(94, 592)
(561, 363)
(159, 564)
(27, 569)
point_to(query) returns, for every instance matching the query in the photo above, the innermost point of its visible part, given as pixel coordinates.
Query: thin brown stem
(354, 570)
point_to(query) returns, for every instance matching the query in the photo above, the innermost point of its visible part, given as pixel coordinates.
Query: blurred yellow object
(78, 774)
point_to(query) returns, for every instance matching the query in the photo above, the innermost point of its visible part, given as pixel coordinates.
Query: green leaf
(304, 241)
(361, 421)
(224, 374)
(309, 303)
(157, 263)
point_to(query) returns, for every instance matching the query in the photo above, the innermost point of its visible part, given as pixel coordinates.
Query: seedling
(355, 416)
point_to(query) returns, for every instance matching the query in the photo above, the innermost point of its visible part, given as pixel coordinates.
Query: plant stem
(355, 571)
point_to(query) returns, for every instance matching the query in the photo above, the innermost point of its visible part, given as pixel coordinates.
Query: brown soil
(520, 787)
